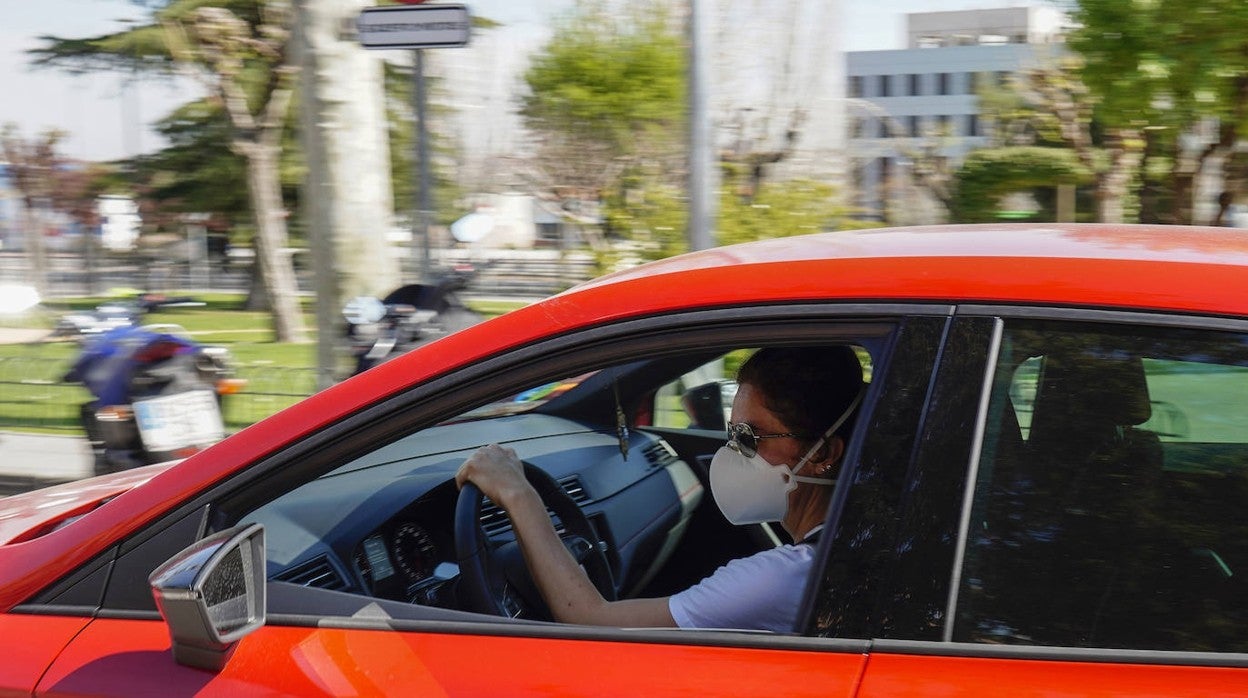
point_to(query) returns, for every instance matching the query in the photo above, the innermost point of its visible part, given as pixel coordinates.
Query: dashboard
(381, 525)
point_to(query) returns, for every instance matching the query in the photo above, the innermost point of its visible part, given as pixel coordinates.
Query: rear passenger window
(1109, 506)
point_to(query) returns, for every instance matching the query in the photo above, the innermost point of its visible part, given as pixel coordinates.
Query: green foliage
(990, 173)
(402, 134)
(779, 209)
(195, 173)
(141, 48)
(656, 216)
(1164, 62)
(607, 76)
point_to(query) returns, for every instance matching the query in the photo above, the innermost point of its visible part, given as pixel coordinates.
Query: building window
(886, 86)
(916, 85)
(972, 125)
(944, 125)
(855, 86)
(942, 83)
(914, 125)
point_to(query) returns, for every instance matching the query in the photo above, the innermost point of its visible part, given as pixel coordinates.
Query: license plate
(170, 422)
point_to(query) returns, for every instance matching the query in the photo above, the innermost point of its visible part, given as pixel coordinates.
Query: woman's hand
(497, 471)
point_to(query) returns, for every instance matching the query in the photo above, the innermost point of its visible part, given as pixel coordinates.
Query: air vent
(572, 486)
(317, 572)
(494, 520)
(659, 454)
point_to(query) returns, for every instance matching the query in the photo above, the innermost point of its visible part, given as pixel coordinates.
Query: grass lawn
(34, 398)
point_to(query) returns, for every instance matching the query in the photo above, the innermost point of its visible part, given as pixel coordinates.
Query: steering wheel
(496, 580)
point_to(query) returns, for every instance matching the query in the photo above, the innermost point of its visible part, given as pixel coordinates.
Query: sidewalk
(18, 335)
(31, 461)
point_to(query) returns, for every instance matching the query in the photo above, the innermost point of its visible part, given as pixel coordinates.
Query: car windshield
(524, 401)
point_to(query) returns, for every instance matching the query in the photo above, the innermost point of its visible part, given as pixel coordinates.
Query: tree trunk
(349, 203)
(257, 296)
(277, 272)
(1126, 152)
(36, 253)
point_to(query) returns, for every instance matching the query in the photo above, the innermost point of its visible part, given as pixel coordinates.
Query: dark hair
(807, 388)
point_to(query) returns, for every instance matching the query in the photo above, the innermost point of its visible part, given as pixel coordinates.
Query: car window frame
(946, 646)
(420, 405)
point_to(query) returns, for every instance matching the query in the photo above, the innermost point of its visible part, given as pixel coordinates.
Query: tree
(238, 50)
(988, 174)
(1065, 109)
(1168, 65)
(606, 102)
(750, 209)
(33, 166)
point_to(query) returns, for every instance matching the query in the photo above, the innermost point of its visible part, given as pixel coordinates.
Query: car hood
(33, 514)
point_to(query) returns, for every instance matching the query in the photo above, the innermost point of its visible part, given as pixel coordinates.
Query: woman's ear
(830, 454)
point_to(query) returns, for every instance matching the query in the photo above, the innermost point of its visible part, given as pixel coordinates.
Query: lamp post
(701, 149)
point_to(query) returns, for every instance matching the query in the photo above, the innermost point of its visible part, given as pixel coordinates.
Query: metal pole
(701, 155)
(424, 185)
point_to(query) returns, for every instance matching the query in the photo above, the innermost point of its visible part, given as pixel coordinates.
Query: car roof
(1189, 269)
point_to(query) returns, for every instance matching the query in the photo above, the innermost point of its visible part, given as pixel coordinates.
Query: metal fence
(33, 396)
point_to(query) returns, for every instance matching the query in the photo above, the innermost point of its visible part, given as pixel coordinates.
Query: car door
(329, 642)
(1087, 536)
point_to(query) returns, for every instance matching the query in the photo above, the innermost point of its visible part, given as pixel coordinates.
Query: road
(31, 461)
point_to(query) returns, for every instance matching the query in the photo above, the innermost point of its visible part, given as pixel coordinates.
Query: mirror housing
(212, 594)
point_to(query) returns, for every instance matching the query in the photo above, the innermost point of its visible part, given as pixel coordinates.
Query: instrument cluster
(398, 562)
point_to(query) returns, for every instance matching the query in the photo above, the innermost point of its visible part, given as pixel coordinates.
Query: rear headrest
(1092, 386)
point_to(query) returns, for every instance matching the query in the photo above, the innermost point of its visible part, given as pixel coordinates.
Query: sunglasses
(741, 438)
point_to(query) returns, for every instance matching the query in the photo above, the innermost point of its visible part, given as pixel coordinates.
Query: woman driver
(790, 419)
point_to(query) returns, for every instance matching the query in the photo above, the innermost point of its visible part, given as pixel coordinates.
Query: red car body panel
(898, 676)
(30, 644)
(328, 661)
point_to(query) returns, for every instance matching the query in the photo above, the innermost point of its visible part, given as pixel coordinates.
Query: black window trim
(972, 473)
(1060, 654)
(1160, 318)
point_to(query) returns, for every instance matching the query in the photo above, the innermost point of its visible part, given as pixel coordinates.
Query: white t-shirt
(759, 592)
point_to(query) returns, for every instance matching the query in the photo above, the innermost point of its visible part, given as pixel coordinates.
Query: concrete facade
(906, 101)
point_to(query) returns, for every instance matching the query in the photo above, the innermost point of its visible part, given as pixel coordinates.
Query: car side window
(1108, 508)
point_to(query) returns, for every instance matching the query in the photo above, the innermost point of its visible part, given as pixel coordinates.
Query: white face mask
(752, 490)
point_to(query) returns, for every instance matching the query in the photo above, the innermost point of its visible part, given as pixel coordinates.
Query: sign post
(417, 27)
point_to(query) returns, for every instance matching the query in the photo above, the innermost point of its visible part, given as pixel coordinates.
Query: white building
(903, 101)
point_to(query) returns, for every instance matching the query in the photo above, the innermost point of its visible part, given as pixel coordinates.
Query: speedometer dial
(414, 551)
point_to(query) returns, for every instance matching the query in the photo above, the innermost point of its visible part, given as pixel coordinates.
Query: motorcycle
(116, 313)
(378, 330)
(157, 394)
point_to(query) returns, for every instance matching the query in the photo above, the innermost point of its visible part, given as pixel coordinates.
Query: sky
(108, 116)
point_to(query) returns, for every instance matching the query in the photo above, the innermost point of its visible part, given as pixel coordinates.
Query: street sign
(414, 26)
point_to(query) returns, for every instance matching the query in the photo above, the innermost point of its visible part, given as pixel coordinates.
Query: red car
(1044, 493)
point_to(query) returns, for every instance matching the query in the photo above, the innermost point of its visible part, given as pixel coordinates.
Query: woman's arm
(570, 595)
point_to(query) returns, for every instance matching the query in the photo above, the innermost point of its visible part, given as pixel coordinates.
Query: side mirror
(708, 405)
(212, 594)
